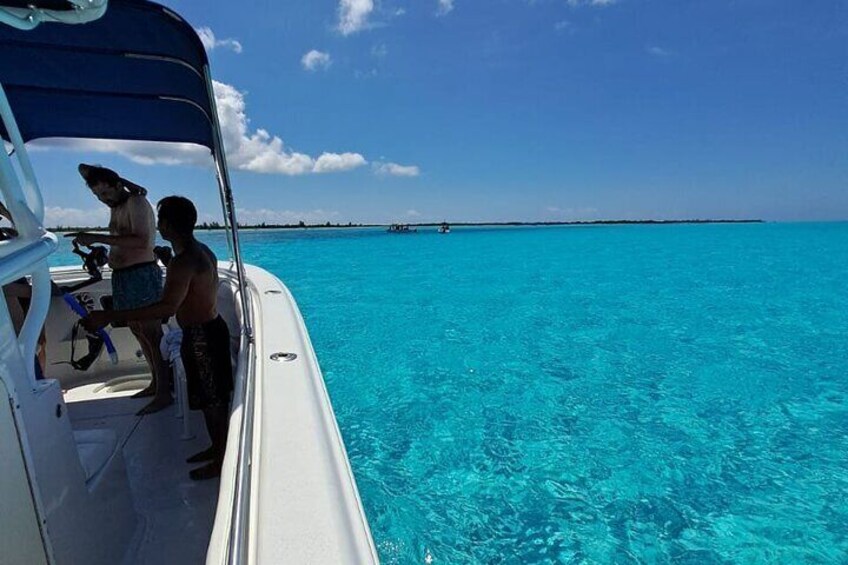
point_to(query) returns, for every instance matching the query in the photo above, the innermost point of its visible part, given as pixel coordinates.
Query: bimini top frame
(28, 14)
(139, 72)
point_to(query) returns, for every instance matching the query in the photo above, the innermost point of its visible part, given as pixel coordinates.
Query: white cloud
(256, 151)
(210, 42)
(335, 162)
(353, 15)
(141, 152)
(315, 60)
(379, 51)
(571, 214)
(269, 216)
(564, 26)
(396, 170)
(657, 51)
(413, 213)
(445, 7)
(55, 216)
(365, 74)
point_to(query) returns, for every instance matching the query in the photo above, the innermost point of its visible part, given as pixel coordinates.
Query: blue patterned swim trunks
(136, 286)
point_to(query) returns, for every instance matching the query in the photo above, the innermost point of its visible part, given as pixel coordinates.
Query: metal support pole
(36, 316)
(229, 207)
(27, 220)
(238, 549)
(217, 158)
(182, 397)
(27, 209)
(227, 229)
(30, 186)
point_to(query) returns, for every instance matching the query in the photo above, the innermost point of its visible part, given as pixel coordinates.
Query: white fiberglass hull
(304, 504)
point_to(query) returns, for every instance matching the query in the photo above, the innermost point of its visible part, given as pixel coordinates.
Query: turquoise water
(628, 394)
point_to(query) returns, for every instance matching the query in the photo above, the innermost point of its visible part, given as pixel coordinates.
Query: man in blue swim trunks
(136, 277)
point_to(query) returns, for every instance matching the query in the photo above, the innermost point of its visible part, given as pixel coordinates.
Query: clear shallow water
(593, 394)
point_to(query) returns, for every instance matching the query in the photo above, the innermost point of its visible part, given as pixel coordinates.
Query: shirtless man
(191, 292)
(136, 277)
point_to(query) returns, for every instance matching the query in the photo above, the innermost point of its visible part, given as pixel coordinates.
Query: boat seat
(95, 448)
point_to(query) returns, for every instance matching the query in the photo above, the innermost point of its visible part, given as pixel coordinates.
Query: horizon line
(211, 226)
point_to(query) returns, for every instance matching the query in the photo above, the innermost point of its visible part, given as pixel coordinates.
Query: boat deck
(176, 514)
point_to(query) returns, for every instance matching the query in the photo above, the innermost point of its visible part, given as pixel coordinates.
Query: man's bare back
(198, 264)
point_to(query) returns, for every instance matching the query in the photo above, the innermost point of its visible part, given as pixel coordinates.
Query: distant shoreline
(216, 226)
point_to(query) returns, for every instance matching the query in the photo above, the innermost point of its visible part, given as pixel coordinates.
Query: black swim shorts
(205, 351)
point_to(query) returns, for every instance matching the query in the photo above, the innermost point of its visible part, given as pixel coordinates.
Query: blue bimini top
(137, 73)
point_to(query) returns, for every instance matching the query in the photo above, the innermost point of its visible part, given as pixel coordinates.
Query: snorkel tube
(92, 261)
(74, 304)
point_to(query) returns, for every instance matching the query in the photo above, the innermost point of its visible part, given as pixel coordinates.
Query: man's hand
(84, 238)
(95, 320)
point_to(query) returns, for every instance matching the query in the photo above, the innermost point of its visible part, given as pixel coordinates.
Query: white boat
(444, 228)
(401, 228)
(83, 480)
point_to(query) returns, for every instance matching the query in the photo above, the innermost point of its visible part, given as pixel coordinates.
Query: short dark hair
(95, 174)
(179, 212)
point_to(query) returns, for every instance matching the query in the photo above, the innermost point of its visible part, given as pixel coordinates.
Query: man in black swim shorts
(191, 291)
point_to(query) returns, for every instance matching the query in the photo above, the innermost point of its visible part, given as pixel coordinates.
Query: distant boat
(401, 228)
(444, 228)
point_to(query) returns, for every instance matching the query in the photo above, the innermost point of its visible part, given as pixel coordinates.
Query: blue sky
(504, 110)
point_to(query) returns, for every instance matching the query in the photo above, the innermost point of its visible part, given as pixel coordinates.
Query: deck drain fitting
(283, 356)
(273, 291)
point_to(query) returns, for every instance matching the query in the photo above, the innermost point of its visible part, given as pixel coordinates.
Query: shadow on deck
(176, 514)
